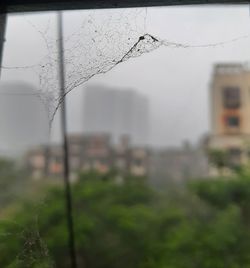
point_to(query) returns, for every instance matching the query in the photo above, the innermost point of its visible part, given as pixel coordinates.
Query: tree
(219, 158)
(131, 225)
(13, 182)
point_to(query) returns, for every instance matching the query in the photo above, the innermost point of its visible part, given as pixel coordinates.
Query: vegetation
(130, 225)
(13, 182)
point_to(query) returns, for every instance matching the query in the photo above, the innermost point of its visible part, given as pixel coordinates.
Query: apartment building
(230, 111)
(89, 152)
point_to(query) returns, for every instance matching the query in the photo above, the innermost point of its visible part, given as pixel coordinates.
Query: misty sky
(176, 80)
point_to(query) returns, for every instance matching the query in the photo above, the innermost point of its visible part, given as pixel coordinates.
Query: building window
(137, 162)
(231, 97)
(233, 121)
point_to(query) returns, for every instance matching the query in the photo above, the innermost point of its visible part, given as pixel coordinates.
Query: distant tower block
(24, 120)
(117, 112)
(230, 111)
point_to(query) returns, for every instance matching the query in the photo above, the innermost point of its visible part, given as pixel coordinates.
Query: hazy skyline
(176, 80)
(117, 112)
(23, 119)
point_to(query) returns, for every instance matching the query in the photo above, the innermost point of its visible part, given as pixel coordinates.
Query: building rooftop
(231, 68)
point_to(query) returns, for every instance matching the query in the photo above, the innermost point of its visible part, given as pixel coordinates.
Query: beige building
(89, 152)
(230, 111)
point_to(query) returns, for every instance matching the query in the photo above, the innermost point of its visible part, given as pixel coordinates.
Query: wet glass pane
(158, 132)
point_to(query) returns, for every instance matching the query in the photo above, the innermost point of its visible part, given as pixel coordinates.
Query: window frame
(231, 97)
(8, 6)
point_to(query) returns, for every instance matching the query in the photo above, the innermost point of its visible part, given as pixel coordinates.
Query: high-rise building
(24, 119)
(230, 111)
(117, 112)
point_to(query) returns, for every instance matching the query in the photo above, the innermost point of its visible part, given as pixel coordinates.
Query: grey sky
(176, 80)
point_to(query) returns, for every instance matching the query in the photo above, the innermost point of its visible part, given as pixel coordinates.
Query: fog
(174, 80)
(23, 118)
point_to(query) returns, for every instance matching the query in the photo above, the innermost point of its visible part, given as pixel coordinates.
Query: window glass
(231, 97)
(233, 121)
(158, 130)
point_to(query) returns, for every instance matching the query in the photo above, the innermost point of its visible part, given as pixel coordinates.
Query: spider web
(104, 39)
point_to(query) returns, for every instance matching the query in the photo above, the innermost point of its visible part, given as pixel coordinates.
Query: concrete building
(116, 112)
(89, 152)
(24, 119)
(177, 165)
(230, 111)
(97, 152)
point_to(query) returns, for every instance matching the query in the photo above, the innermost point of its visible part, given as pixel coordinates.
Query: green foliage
(218, 158)
(130, 225)
(13, 182)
